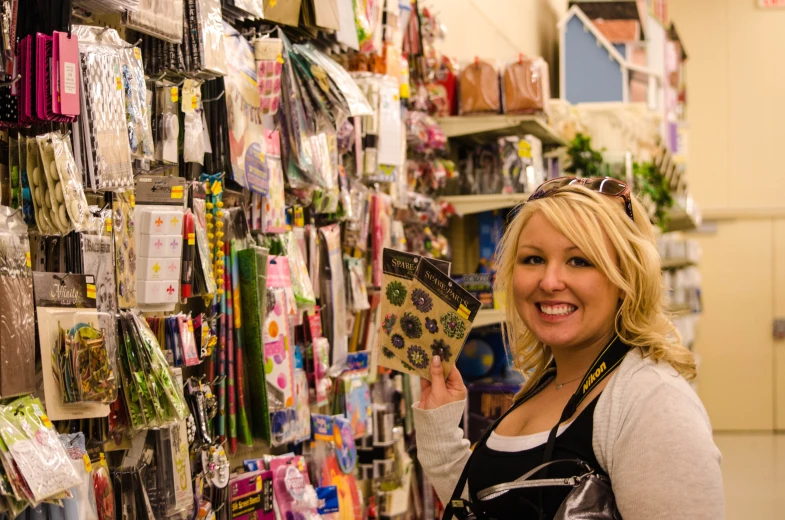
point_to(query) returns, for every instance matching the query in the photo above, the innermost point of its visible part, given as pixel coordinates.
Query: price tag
(28, 262)
(88, 466)
(108, 224)
(190, 326)
(119, 83)
(524, 150)
(279, 58)
(217, 189)
(91, 290)
(177, 192)
(173, 92)
(133, 200)
(258, 483)
(194, 102)
(191, 241)
(137, 53)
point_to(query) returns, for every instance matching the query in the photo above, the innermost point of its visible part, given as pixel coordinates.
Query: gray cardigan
(651, 435)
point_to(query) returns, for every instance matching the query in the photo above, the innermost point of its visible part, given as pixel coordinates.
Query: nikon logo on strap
(593, 377)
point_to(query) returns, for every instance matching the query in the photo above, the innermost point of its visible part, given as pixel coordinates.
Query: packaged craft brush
(433, 317)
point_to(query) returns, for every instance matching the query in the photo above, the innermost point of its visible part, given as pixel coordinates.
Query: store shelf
(679, 310)
(470, 204)
(683, 217)
(486, 128)
(676, 263)
(488, 317)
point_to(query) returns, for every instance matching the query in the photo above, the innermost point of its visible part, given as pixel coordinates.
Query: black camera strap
(610, 357)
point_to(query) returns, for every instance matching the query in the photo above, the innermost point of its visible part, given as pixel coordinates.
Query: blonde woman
(579, 277)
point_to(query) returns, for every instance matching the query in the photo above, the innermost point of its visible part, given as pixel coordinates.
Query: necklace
(558, 386)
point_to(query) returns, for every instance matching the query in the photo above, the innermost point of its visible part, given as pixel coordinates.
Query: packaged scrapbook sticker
(435, 319)
(277, 352)
(357, 405)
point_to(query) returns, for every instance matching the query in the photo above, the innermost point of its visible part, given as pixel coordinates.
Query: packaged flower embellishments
(424, 313)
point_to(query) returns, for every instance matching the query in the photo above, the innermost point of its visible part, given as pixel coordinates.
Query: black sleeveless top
(490, 467)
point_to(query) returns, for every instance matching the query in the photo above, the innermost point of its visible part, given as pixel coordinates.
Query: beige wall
(500, 29)
(736, 77)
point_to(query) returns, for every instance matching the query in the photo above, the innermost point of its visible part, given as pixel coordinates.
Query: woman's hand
(438, 391)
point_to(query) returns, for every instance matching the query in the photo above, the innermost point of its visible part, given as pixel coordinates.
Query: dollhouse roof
(673, 35)
(611, 10)
(619, 31)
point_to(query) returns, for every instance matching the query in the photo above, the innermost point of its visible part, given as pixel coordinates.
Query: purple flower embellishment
(431, 326)
(389, 323)
(397, 341)
(441, 349)
(411, 325)
(422, 300)
(453, 325)
(389, 354)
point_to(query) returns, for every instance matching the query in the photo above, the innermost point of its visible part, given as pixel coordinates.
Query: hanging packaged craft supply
(332, 281)
(17, 314)
(160, 18)
(123, 229)
(83, 503)
(273, 204)
(269, 63)
(135, 95)
(37, 454)
(252, 495)
(65, 305)
(246, 134)
(103, 132)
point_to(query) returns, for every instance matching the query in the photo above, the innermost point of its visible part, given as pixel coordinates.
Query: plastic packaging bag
(268, 54)
(83, 504)
(479, 88)
(526, 86)
(135, 93)
(36, 450)
(301, 281)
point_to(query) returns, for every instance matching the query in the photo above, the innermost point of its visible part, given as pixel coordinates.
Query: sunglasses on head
(604, 185)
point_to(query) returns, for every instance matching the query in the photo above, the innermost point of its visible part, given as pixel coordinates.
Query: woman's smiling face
(559, 294)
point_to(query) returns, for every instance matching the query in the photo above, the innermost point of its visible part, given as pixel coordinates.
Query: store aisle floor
(753, 471)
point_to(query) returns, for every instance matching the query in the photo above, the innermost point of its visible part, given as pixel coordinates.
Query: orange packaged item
(479, 88)
(526, 86)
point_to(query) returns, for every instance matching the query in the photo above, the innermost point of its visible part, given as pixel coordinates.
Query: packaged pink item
(274, 204)
(252, 496)
(269, 63)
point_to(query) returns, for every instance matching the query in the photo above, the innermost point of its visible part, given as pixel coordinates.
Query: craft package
(246, 133)
(34, 450)
(140, 135)
(160, 18)
(274, 204)
(252, 495)
(83, 504)
(123, 228)
(211, 35)
(17, 314)
(332, 294)
(479, 88)
(58, 192)
(102, 130)
(277, 351)
(357, 404)
(253, 278)
(269, 63)
(526, 86)
(66, 314)
(433, 316)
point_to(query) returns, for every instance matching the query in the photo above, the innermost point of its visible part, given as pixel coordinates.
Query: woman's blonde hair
(584, 217)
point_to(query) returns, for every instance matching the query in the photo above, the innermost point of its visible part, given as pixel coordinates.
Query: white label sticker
(69, 82)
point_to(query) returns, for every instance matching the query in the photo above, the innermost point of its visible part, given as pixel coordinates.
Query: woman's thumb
(437, 374)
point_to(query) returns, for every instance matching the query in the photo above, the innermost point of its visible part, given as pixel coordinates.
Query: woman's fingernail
(437, 361)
